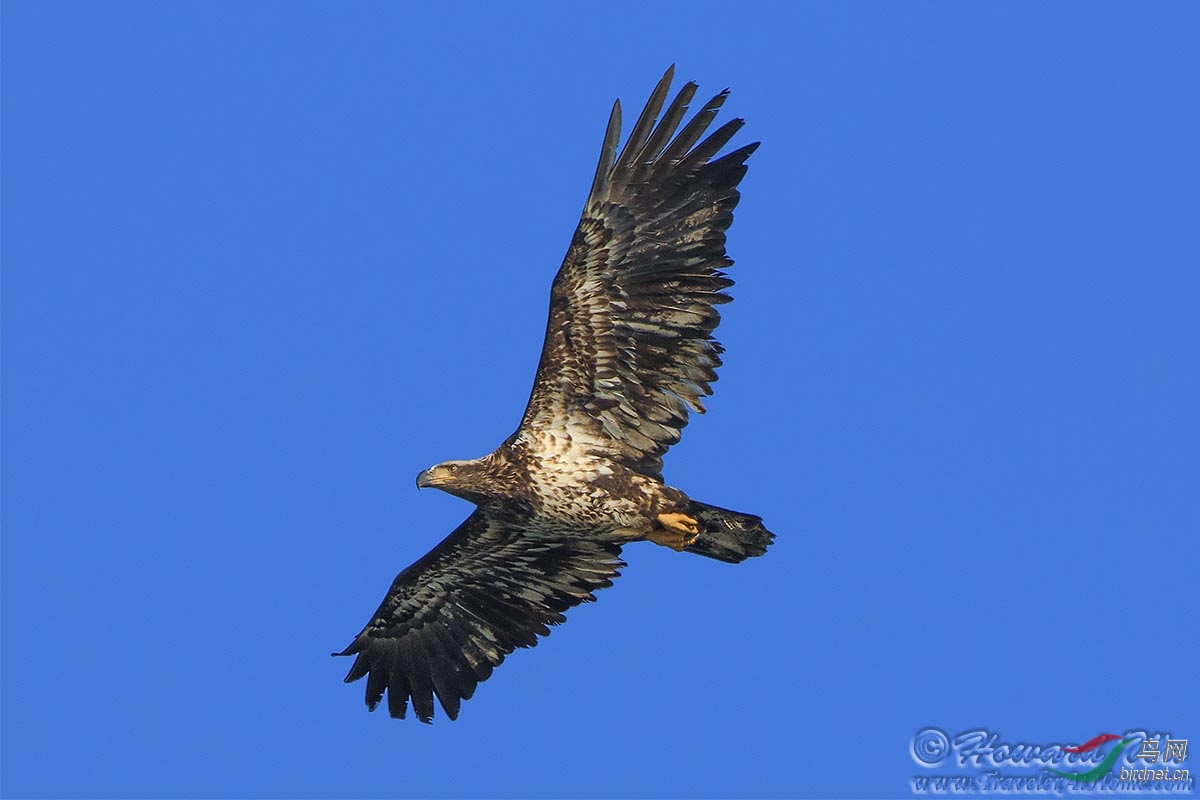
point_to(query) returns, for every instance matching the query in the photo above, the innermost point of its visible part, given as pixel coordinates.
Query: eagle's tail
(728, 535)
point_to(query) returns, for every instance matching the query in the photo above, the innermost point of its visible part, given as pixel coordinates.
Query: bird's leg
(678, 531)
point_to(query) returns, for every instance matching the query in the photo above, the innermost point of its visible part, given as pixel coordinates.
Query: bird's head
(466, 479)
(495, 478)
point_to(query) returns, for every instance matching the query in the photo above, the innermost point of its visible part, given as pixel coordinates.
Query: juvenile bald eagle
(629, 352)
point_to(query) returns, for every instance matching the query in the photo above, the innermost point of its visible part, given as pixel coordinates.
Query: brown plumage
(628, 354)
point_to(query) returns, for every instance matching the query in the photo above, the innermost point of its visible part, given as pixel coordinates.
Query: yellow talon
(680, 523)
(676, 541)
(681, 530)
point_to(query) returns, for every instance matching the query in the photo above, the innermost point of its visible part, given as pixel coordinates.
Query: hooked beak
(425, 479)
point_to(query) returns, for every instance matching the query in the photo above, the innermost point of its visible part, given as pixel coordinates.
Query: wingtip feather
(608, 152)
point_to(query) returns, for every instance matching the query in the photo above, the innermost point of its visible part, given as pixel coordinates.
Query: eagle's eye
(452, 467)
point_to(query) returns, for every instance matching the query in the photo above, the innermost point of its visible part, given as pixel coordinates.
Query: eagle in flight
(629, 352)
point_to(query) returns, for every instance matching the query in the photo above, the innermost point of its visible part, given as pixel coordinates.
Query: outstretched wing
(449, 619)
(629, 348)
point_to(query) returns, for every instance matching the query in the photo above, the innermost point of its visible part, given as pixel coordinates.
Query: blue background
(264, 262)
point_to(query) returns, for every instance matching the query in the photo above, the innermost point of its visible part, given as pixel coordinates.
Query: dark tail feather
(727, 535)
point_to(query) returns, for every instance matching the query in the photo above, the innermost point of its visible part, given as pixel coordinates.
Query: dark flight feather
(446, 623)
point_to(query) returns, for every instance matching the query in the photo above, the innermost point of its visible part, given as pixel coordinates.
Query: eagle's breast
(574, 486)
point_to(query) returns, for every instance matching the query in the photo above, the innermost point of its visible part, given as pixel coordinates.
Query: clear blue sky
(264, 262)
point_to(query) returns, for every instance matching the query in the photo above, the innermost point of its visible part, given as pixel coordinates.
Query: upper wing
(629, 347)
(451, 617)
